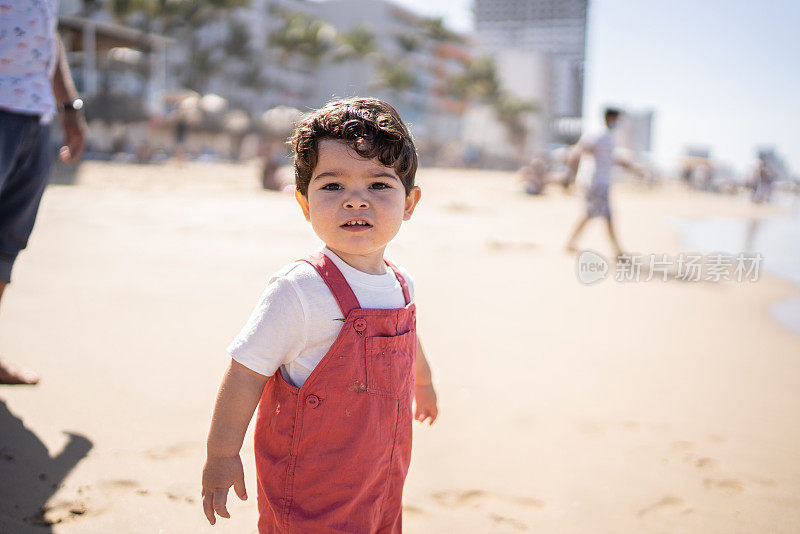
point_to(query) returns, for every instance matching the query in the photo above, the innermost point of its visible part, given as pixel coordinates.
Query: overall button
(360, 325)
(312, 401)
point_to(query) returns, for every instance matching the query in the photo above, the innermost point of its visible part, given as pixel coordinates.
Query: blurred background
(484, 84)
(652, 404)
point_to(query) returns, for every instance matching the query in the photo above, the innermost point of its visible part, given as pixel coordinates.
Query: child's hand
(425, 403)
(219, 474)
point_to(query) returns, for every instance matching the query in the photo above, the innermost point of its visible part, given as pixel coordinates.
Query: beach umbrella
(280, 120)
(213, 104)
(212, 110)
(237, 121)
(128, 56)
(189, 109)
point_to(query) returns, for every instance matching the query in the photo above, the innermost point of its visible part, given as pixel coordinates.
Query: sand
(612, 408)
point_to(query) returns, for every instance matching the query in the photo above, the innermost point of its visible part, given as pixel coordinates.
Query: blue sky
(723, 73)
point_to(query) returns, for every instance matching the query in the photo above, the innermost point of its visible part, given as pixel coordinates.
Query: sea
(775, 237)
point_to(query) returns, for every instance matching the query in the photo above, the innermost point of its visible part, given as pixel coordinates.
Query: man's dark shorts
(25, 158)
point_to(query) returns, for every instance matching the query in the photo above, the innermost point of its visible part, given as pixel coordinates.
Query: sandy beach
(657, 407)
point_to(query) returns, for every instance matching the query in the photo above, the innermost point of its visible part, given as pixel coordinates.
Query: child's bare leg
(576, 233)
(10, 373)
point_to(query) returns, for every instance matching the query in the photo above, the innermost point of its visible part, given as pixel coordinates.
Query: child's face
(355, 205)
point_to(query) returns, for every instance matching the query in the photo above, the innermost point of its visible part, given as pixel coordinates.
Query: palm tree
(200, 67)
(184, 9)
(395, 77)
(436, 30)
(184, 17)
(238, 42)
(478, 81)
(511, 113)
(356, 44)
(302, 35)
(409, 43)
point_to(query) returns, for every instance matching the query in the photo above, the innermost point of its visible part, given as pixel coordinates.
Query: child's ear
(303, 201)
(411, 202)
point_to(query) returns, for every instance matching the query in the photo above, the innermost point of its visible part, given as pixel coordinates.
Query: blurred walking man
(35, 84)
(601, 147)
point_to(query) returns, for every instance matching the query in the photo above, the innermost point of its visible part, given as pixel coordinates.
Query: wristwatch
(75, 105)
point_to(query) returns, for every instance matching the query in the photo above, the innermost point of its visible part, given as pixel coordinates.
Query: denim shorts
(25, 158)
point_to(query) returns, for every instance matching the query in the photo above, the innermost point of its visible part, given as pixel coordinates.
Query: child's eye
(331, 187)
(380, 185)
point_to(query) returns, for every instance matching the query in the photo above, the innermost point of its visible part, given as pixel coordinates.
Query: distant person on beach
(763, 179)
(181, 129)
(534, 176)
(330, 355)
(35, 84)
(601, 147)
(273, 155)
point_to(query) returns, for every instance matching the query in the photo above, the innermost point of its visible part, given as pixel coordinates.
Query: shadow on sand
(29, 476)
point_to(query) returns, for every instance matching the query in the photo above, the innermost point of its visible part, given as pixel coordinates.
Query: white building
(556, 29)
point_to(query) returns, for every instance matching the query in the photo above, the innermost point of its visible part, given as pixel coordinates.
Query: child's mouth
(356, 225)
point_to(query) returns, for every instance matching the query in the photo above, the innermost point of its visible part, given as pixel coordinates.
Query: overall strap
(335, 281)
(406, 294)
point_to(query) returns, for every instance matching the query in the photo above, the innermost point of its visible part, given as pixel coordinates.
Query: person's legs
(25, 158)
(596, 206)
(572, 242)
(613, 236)
(20, 194)
(10, 373)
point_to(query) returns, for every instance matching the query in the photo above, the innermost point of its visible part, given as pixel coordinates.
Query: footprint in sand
(667, 503)
(118, 484)
(480, 499)
(460, 207)
(57, 512)
(496, 505)
(705, 463)
(630, 425)
(184, 498)
(729, 486)
(410, 509)
(593, 429)
(503, 245)
(515, 523)
(184, 449)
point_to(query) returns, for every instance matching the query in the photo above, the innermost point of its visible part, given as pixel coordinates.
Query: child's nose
(356, 203)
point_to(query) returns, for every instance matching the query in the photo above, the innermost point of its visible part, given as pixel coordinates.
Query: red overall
(332, 456)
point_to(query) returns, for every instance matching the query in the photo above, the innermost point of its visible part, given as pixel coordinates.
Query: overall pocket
(390, 363)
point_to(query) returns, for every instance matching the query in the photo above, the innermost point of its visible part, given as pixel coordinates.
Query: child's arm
(237, 399)
(424, 394)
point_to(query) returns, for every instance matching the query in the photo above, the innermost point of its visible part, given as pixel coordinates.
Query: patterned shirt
(28, 56)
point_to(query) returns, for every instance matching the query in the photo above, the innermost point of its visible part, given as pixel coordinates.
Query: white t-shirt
(602, 148)
(297, 318)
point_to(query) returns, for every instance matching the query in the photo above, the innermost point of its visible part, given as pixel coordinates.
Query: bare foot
(14, 374)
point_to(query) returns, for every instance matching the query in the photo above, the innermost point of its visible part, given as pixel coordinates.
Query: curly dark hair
(370, 126)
